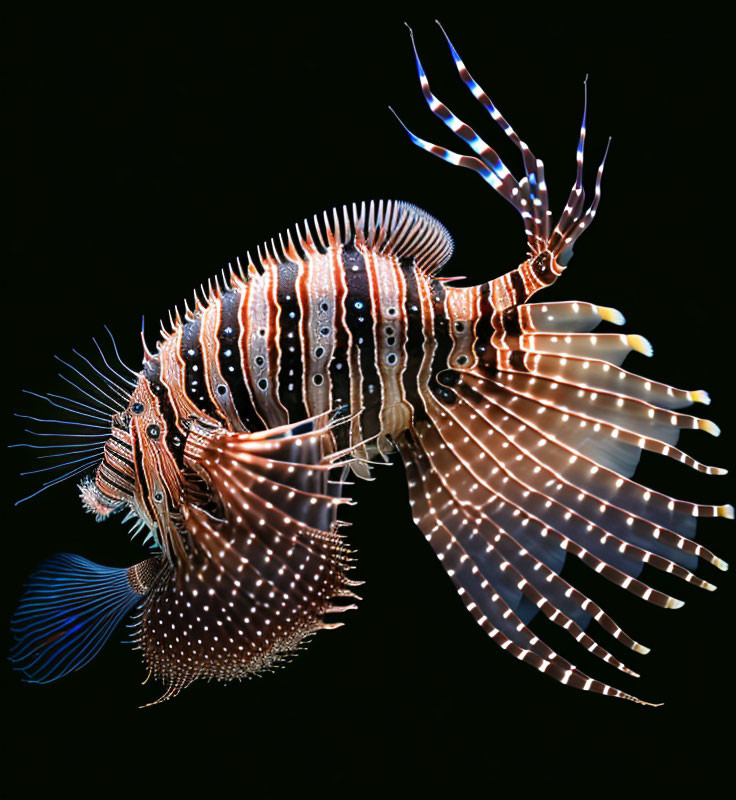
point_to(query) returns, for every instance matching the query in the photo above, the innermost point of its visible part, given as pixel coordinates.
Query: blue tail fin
(68, 611)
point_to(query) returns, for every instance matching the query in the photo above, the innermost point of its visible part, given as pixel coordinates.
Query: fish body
(338, 345)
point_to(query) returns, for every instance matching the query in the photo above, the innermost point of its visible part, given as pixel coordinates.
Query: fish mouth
(97, 502)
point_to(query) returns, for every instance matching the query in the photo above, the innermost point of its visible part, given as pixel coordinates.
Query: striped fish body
(353, 328)
(518, 429)
(346, 329)
(350, 329)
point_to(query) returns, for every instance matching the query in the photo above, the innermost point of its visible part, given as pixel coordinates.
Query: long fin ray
(68, 611)
(276, 559)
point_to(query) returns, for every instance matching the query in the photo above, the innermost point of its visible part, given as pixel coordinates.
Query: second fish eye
(137, 408)
(153, 431)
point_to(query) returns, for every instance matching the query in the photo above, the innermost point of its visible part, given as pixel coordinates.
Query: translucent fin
(596, 493)
(584, 373)
(499, 481)
(567, 317)
(265, 566)
(68, 611)
(494, 571)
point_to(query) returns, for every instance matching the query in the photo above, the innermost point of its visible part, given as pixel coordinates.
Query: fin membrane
(69, 609)
(504, 482)
(262, 570)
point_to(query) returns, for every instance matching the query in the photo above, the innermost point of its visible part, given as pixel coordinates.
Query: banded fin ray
(467, 546)
(514, 468)
(262, 569)
(529, 195)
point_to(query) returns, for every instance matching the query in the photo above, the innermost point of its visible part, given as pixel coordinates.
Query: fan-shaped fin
(504, 479)
(70, 608)
(264, 566)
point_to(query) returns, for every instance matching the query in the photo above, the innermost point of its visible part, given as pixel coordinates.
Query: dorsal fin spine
(389, 227)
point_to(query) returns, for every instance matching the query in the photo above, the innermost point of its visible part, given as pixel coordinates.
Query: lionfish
(336, 346)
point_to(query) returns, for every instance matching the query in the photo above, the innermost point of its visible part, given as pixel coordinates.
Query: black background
(146, 150)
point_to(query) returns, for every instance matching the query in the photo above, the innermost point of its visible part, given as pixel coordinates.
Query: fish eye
(153, 431)
(137, 408)
(158, 497)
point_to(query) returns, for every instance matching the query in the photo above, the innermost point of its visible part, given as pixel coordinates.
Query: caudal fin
(69, 609)
(528, 195)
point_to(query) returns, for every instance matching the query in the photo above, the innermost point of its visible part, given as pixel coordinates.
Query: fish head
(112, 487)
(138, 471)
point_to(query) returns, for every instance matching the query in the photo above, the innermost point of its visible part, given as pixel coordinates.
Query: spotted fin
(505, 480)
(265, 562)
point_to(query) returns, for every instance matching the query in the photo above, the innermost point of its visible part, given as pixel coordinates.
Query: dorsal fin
(388, 227)
(397, 228)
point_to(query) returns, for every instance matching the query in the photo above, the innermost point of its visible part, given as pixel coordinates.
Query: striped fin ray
(524, 581)
(625, 422)
(499, 175)
(277, 561)
(389, 227)
(587, 372)
(569, 361)
(567, 317)
(385, 227)
(529, 195)
(575, 485)
(610, 347)
(504, 483)
(473, 550)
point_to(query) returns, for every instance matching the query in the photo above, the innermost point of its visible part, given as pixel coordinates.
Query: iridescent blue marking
(454, 158)
(69, 609)
(481, 148)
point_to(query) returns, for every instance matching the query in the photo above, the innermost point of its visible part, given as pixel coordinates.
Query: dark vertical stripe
(291, 371)
(143, 487)
(266, 397)
(510, 321)
(194, 379)
(230, 361)
(339, 368)
(517, 282)
(484, 329)
(175, 438)
(359, 316)
(414, 339)
(443, 345)
(542, 269)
